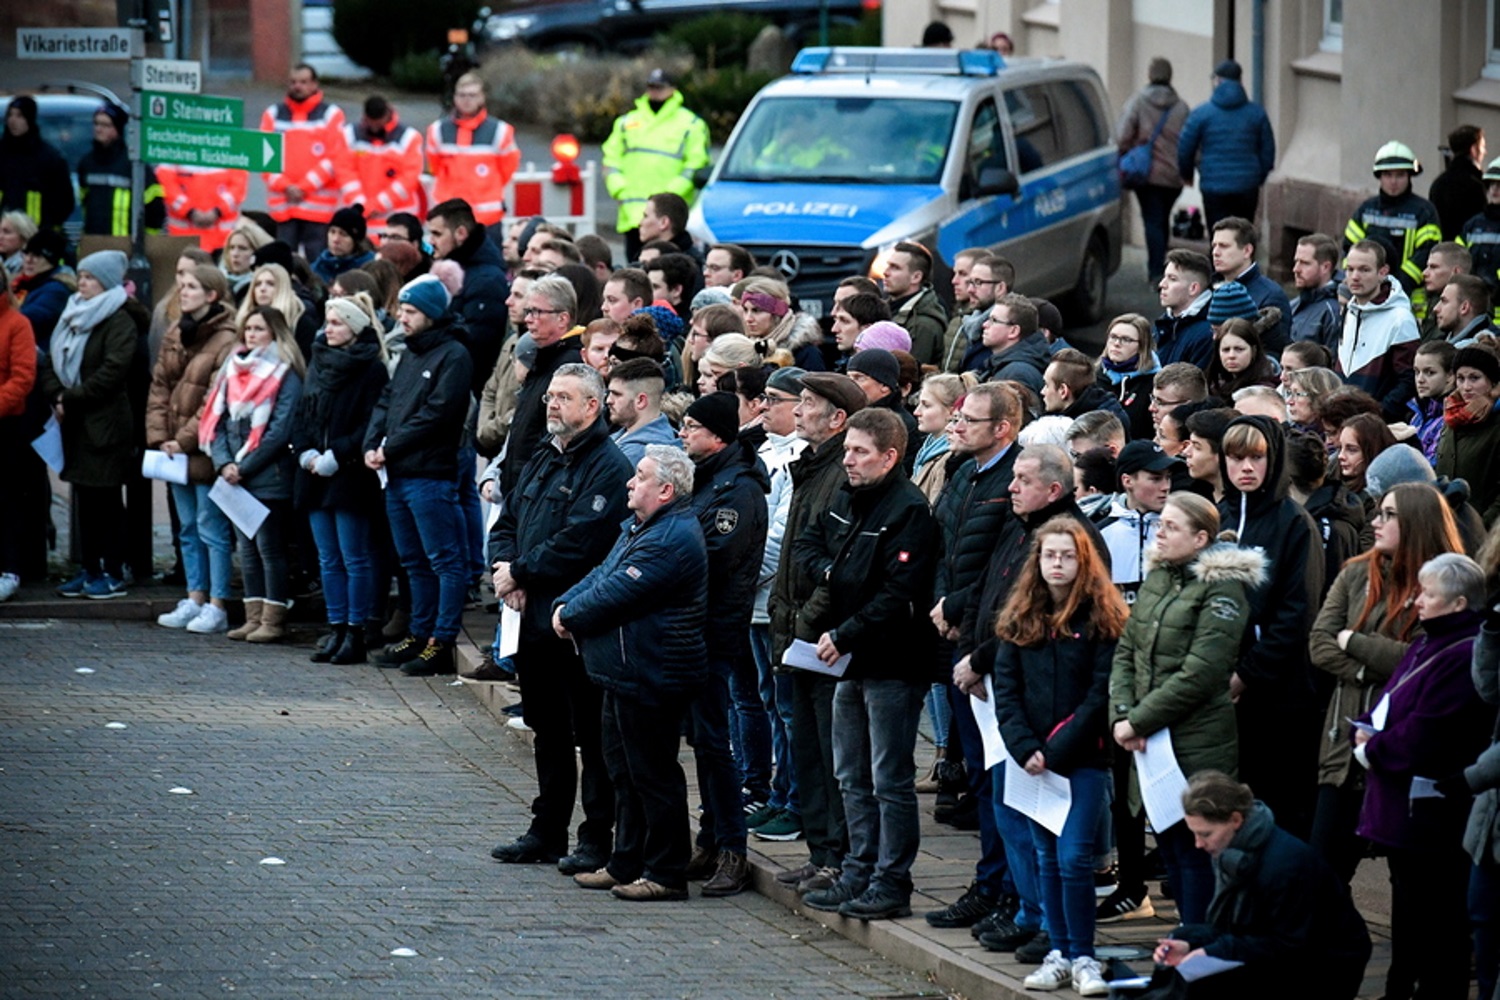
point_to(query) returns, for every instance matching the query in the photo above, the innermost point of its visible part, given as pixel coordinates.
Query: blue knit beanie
(668, 323)
(1231, 301)
(428, 295)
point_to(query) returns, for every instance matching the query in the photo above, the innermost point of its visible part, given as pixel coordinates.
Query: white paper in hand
(1046, 798)
(989, 726)
(49, 445)
(1202, 966)
(510, 631)
(1162, 782)
(243, 510)
(167, 468)
(804, 656)
(1424, 788)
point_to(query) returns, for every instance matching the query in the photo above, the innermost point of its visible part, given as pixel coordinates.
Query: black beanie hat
(351, 220)
(274, 252)
(1480, 360)
(49, 244)
(719, 413)
(27, 106)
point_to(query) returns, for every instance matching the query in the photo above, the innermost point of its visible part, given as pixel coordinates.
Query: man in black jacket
(874, 551)
(413, 440)
(457, 236)
(729, 499)
(551, 306)
(973, 510)
(557, 525)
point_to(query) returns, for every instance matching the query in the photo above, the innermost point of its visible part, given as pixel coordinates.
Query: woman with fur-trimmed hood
(1172, 665)
(766, 305)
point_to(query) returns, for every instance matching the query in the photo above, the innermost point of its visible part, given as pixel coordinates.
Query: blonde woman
(766, 305)
(271, 287)
(728, 352)
(937, 403)
(238, 259)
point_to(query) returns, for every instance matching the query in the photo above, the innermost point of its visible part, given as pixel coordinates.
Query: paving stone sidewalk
(381, 794)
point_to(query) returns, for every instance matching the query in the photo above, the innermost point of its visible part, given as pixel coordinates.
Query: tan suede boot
(272, 622)
(253, 607)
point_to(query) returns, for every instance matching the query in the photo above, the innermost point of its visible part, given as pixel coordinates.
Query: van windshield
(851, 140)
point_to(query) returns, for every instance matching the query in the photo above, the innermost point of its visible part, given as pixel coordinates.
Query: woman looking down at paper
(1057, 635)
(1279, 911)
(1171, 668)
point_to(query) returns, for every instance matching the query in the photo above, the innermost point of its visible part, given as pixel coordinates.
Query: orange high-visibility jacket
(204, 189)
(314, 157)
(473, 159)
(389, 167)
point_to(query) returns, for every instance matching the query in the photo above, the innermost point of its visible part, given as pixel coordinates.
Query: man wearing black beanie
(729, 497)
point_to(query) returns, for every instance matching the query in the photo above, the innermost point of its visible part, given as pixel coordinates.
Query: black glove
(1453, 786)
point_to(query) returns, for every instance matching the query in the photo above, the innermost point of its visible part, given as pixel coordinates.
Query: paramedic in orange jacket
(472, 156)
(317, 176)
(202, 202)
(388, 162)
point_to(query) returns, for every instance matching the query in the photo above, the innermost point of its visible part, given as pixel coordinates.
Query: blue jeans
(992, 872)
(1065, 865)
(776, 695)
(427, 527)
(473, 514)
(204, 534)
(1020, 853)
(941, 714)
(874, 739)
(347, 565)
(1190, 871)
(750, 728)
(722, 825)
(1156, 219)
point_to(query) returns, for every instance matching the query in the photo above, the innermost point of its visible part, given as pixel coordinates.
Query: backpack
(1135, 162)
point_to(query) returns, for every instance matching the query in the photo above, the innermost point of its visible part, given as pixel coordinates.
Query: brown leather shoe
(792, 876)
(600, 879)
(732, 876)
(824, 878)
(645, 891)
(703, 863)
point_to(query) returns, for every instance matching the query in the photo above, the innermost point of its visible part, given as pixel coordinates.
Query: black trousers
(640, 745)
(1279, 757)
(1334, 821)
(101, 515)
(1429, 922)
(812, 756)
(563, 710)
(1221, 206)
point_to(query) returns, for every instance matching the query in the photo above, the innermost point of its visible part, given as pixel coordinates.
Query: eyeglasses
(965, 420)
(688, 426)
(771, 400)
(992, 321)
(1164, 404)
(563, 398)
(1299, 394)
(393, 237)
(529, 312)
(1384, 514)
(1123, 341)
(981, 281)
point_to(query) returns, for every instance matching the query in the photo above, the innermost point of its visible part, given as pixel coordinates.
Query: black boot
(374, 638)
(352, 649)
(329, 644)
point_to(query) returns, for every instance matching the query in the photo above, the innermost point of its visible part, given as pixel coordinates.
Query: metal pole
(140, 266)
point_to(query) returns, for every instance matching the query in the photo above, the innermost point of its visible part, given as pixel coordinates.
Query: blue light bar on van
(931, 62)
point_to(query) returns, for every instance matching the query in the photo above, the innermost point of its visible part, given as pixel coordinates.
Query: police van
(861, 148)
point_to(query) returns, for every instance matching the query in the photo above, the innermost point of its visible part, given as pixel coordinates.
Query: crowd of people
(1269, 529)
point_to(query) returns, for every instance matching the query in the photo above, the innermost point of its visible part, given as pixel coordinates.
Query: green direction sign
(193, 109)
(224, 148)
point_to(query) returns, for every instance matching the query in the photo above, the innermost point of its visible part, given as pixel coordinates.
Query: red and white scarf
(245, 387)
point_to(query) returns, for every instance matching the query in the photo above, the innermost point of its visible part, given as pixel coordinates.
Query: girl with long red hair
(1057, 636)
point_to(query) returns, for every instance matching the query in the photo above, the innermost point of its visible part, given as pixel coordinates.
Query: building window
(1492, 40)
(1333, 26)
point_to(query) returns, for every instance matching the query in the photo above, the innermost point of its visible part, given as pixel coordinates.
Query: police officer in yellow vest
(655, 147)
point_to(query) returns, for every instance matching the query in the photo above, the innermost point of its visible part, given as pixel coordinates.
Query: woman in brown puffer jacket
(191, 353)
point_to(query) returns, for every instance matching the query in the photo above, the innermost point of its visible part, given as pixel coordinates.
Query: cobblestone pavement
(381, 794)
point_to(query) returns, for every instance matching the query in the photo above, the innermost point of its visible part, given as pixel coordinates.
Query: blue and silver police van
(861, 148)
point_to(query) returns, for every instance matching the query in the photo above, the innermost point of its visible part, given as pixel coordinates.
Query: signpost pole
(140, 265)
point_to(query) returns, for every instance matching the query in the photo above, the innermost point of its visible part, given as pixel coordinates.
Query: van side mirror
(997, 180)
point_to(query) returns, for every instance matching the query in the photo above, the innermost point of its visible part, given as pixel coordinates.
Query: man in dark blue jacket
(557, 525)
(1233, 249)
(413, 441)
(729, 498)
(458, 237)
(639, 618)
(875, 551)
(1228, 143)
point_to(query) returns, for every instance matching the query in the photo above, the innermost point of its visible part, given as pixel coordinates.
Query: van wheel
(1085, 305)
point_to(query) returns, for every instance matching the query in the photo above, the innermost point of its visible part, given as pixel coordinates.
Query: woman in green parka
(1172, 665)
(83, 377)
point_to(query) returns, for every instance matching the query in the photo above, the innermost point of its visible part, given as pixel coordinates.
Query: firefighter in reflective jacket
(202, 202)
(1407, 224)
(104, 180)
(654, 148)
(1481, 235)
(317, 177)
(471, 155)
(388, 162)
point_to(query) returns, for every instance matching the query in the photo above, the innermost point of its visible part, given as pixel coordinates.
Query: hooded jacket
(481, 302)
(1340, 519)
(34, 178)
(972, 512)
(1472, 452)
(1458, 195)
(1482, 836)
(1227, 142)
(639, 616)
(43, 298)
(651, 150)
(1138, 121)
(1129, 535)
(343, 385)
(1097, 398)
(97, 435)
(18, 360)
(1023, 362)
(729, 500)
(873, 553)
(1186, 336)
(923, 315)
(563, 521)
(191, 353)
(1318, 317)
(1172, 664)
(329, 266)
(1277, 906)
(1273, 661)
(419, 419)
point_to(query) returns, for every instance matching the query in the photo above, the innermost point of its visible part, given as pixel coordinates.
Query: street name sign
(222, 148)
(225, 112)
(72, 43)
(175, 76)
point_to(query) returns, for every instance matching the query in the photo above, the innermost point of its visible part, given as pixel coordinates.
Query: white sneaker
(1088, 978)
(1055, 973)
(209, 619)
(187, 609)
(518, 722)
(9, 582)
